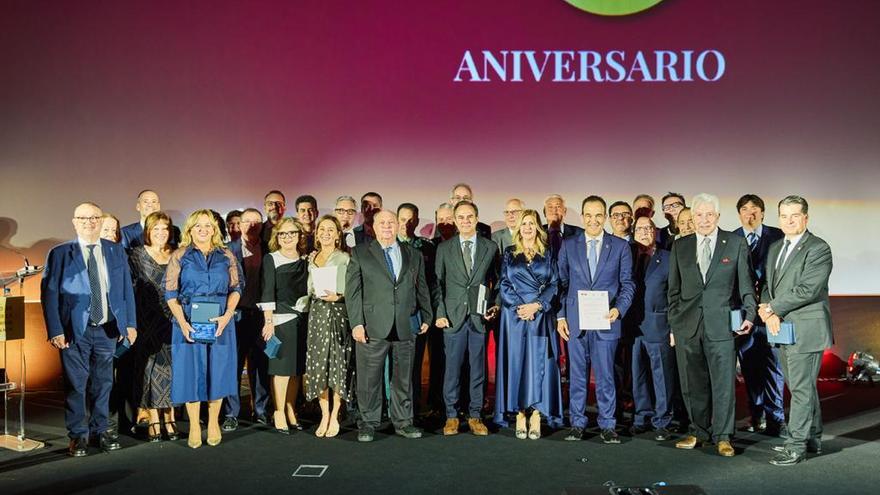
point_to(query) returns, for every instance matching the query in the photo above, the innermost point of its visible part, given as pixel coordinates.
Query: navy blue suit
(758, 360)
(88, 362)
(652, 356)
(593, 347)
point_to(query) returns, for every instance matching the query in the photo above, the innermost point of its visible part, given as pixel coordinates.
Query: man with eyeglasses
(463, 192)
(88, 305)
(345, 211)
(249, 251)
(371, 203)
(504, 237)
(274, 205)
(672, 204)
(621, 216)
(758, 361)
(133, 234)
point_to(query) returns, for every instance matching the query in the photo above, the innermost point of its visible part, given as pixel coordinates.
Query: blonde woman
(202, 270)
(328, 362)
(110, 228)
(527, 373)
(285, 302)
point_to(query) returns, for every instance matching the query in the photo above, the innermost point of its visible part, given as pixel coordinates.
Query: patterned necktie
(705, 257)
(466, 254)
(387, 253)
(592, 259)
(781, 261)
(96, 310)
(752, 239)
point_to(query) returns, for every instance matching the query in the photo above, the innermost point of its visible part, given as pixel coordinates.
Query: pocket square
(725, 261)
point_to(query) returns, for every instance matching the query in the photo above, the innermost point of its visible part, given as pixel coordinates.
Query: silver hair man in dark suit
(512, 210)
(798, 267)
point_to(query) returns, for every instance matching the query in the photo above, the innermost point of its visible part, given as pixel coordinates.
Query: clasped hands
(221, 322)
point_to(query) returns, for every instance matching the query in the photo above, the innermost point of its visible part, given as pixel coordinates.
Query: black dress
(285, 291)
(152, 349)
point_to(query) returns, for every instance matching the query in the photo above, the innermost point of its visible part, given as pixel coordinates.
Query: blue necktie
(96, 310)
(752, 239)
(387, 253)
(592, 259)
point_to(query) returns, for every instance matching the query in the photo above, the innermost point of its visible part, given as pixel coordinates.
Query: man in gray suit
(504, 237)
(798, 268)
(384, 288)
(709, 276)
(466, 265)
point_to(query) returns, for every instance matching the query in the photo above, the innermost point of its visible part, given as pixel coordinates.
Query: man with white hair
(556, 228)
(512, 210)
(709, 277)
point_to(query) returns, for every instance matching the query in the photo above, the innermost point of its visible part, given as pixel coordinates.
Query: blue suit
(758, 360)
(596, 348)
(88, 362)
(652, 356)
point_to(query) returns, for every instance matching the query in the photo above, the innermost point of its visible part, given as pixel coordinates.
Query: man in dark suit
(798, 268)
(444, 223)
(504, 237)
(463, 192)
(371, 203)
(345, 210)
(672, 203)
(593, 261)
(274, 205)
(466, 265)
(133, 234)
(556, 228)
(385, 287)
(757, 359)
(88, 306)
(709, 276)
(652, 361)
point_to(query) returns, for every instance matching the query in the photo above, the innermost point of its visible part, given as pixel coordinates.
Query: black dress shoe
(78, 447)
(409, 431)
(775, 428)
(229, 424)
(662, 434)
(107, 443)
(366, 435)
(757, 425)
(574, 435)
(261, 419)
(787, 458)
(609, 436)
(638, 429)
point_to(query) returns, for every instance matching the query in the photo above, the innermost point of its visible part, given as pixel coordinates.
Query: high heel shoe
(521, 432)
(535, 426)
(154, 432)
(278, 429)
(171, 431)
(291, 420)
(333, 428)
(322, 427)
(214, 439)
(195, 436)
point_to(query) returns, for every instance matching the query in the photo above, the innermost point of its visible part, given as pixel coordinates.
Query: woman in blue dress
(527, 373)
(202, 269)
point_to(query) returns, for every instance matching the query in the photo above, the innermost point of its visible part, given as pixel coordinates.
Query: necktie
(387, 253)
(705, 257)
(752, 240)
(555, 240)
(96, 310)
(466, 254)
(781, 262)
(592, 259)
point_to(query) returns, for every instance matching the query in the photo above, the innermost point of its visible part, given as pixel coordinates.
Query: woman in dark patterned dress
(152, 350)
(285, 302)
(328, 361)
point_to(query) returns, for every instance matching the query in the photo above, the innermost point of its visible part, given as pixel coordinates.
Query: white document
(593, 310)
(324, 279)
(481, 300)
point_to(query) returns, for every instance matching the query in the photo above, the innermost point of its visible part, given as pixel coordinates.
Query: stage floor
(256, 460)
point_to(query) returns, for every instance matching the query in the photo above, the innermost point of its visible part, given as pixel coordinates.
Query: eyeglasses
(646, 229)
(621, 216)
(288, 235)
(344, 211)
(87, 219)
(672, 206)
(512, 212)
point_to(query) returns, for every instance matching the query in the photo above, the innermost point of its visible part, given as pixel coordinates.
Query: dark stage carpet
(256, 460)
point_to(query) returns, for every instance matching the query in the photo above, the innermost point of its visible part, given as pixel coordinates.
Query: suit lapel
(376, 249)
(405, 260)
(793, 257)
(721, 244)
(689, 255)
(76, 261)
(581, 256)
(458, 257)
(772, 254)
(652, 263)
(481, 252)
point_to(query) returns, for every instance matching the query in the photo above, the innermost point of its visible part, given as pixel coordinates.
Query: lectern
(12, 332)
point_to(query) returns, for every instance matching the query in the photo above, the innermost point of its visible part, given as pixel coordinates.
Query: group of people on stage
(345, 314)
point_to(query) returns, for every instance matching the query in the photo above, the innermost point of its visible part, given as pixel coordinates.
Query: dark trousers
(801, 372)
(432, 343)
(653, 380)
(250, 345)
(123, 395)
(588, 352)
(464, 341)
(88, 376)
(708, 376)
(763, 376)
(370, 380)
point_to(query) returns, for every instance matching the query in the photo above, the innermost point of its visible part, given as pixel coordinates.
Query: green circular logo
(613, 7)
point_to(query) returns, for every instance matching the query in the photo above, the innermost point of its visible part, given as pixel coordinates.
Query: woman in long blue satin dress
(527, 373)
(202, 270)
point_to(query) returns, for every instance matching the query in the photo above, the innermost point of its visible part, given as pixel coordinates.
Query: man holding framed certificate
(596, 290)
